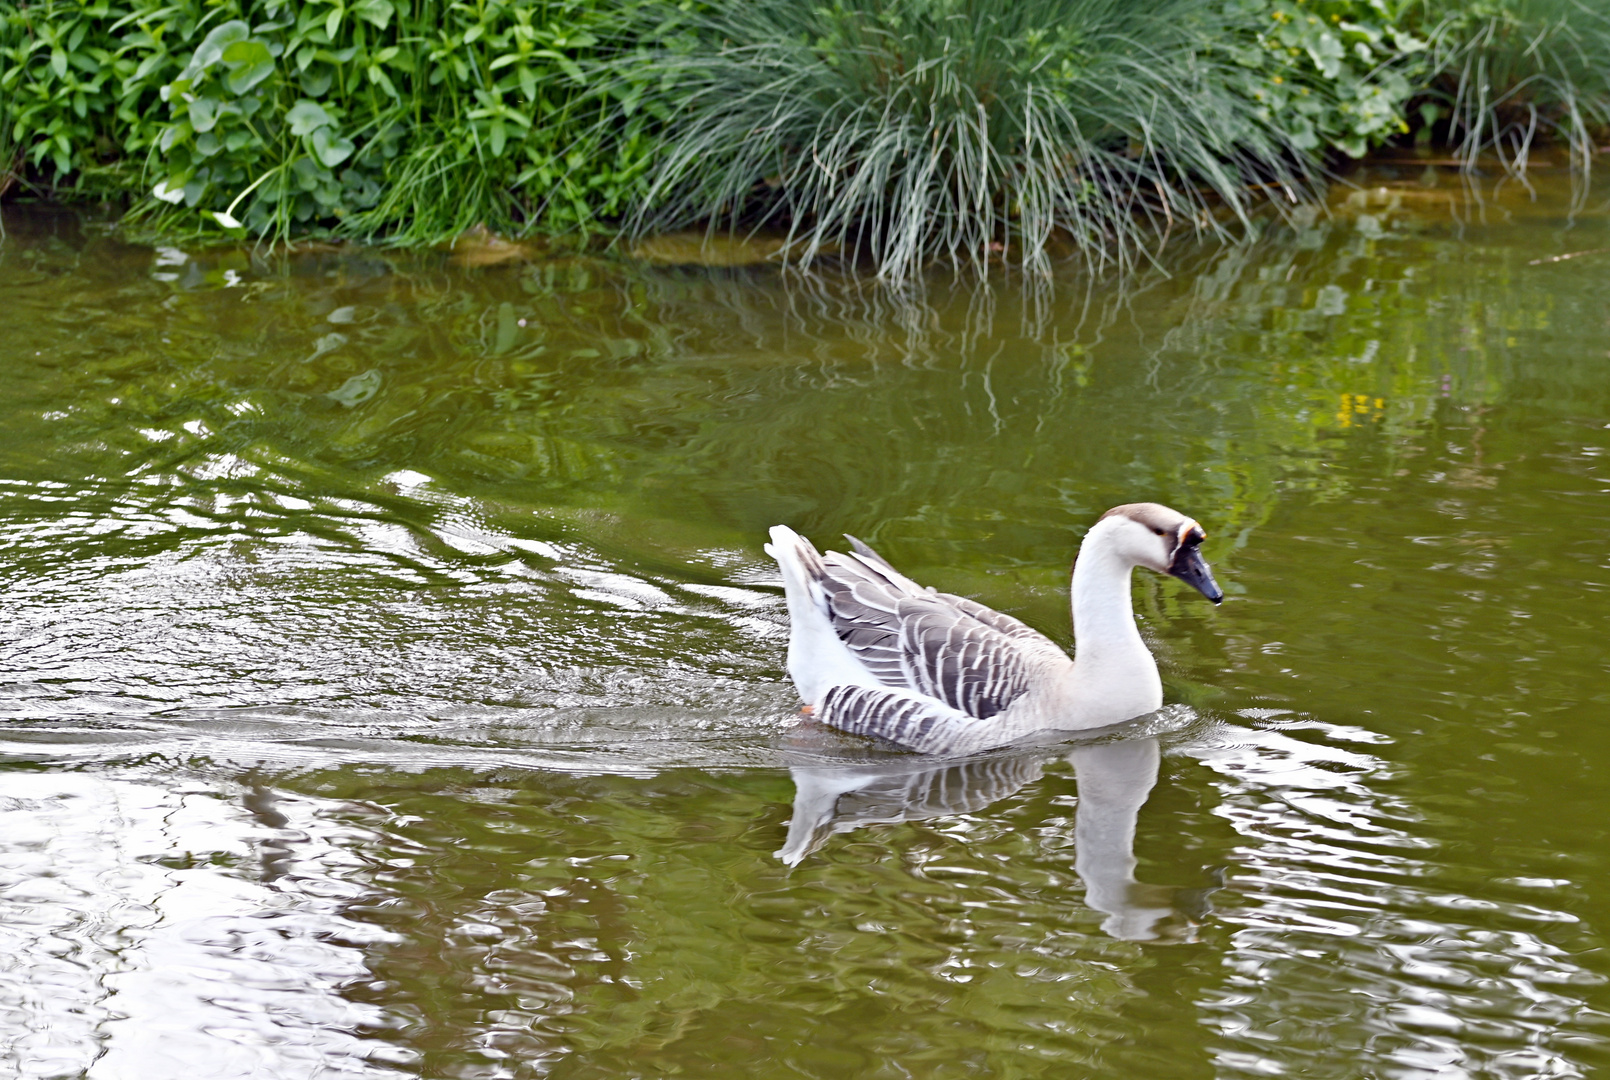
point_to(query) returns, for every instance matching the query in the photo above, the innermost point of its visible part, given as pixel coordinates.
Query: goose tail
(817, 658)
(803, 571)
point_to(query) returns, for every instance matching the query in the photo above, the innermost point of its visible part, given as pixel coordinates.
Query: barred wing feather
(974, 660)
(964, 663)
(913, 721)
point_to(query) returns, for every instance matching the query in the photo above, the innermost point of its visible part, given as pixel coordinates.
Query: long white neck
(1113, 669)
(1104, 628)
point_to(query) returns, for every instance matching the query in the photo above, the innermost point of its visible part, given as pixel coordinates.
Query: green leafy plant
(1333, 74)
(402, 121)
(409, 124)
(514, 130)
(67, 84)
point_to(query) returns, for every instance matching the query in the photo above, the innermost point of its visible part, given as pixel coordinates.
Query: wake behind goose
(874, 653)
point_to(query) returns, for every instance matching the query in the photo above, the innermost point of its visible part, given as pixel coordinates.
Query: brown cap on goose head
(1182, 537)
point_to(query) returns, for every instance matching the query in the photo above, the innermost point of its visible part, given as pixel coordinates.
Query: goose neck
(1103, 613)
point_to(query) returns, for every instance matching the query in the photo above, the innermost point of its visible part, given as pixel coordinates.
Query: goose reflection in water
(1114, 780)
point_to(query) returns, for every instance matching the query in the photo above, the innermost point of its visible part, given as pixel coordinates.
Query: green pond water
(391, 678)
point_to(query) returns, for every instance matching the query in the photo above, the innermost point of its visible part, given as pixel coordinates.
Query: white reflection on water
(1114, 779)
(130, 949)
(1347, 939)
(213, 927)
(225, 641)
(1350, 948)
(1347, 943)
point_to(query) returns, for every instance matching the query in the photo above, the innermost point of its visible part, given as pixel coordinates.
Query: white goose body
(874, 653)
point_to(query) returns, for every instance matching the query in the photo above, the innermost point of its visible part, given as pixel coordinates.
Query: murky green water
(391, 678)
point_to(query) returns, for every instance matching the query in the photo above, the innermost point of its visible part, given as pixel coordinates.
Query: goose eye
(1156, 530)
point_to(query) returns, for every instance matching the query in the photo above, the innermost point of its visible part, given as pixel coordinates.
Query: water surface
(391, 677)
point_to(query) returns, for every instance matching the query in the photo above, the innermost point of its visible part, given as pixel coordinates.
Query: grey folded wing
(973, 659)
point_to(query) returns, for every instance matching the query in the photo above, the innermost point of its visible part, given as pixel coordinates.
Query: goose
(874, 653)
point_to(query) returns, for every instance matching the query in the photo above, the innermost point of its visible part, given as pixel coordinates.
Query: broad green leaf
(315, 81)
(307, 173)
(203, 113)
(174, 133)
(376, 12)
(249, 62)
(1405, 41)
(330, 148)
(306, 117)
(1327, 53)
(212, 47)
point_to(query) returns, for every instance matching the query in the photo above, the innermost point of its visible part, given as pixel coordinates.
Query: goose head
(1160, 539)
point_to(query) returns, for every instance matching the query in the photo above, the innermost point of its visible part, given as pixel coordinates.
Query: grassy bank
(967, 131)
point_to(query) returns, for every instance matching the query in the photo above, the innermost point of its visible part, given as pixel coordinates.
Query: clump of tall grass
(961, 130)
(1510, 73)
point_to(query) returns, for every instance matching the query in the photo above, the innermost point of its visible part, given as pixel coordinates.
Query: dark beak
(1189, 568)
